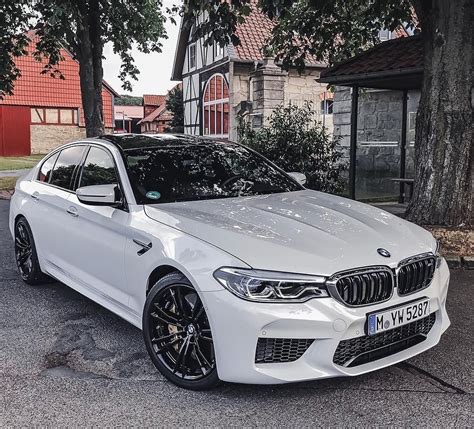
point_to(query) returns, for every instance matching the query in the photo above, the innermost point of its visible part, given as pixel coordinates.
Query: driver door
(99, 234)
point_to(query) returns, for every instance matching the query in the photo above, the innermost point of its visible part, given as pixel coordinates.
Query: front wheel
(178, 335)
(26, 256)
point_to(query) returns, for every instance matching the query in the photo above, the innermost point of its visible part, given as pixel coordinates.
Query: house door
(15, 131)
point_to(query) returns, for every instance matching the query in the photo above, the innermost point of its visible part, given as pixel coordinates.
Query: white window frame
(325, 106)
(218, 50)
(221, 101)
(190, 65)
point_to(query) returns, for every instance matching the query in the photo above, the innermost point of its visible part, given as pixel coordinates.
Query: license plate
(389, 319)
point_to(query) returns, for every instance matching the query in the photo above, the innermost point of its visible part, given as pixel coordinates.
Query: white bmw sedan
(232, 269)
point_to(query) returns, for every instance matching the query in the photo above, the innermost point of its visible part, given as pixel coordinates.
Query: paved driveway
(66, 361)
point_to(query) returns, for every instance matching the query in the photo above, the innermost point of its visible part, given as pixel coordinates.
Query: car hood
(304, 231)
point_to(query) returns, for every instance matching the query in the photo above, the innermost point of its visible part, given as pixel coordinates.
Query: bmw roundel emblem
(383, 252)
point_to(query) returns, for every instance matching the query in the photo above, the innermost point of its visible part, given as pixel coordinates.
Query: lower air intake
(357, 351)
(278, 350)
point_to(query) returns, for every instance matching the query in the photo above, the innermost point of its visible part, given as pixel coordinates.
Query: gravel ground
(66, 361)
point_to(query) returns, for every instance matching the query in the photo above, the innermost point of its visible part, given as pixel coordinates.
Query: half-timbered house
(221, 83)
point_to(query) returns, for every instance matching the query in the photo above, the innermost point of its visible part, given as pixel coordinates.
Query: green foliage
(83, 27)
(222, 18)
(13, 41)
(174, 103)
(326, 30)
(295, 141)
(128, 100)
(331, 30)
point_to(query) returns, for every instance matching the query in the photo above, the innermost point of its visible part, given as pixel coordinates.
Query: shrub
(295, 141)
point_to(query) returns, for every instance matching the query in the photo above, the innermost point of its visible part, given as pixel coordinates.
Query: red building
(45, 112)
(157, 118)
(127, 118)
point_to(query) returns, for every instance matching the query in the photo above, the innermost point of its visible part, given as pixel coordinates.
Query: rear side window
(99, 169)
(46, 169)
(66, 163)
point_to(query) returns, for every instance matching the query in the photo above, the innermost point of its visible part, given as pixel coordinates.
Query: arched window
(216, 107)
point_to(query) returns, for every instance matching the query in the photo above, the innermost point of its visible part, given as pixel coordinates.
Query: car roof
(147, 141)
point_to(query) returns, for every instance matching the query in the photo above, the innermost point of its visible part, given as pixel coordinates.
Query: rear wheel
(26, 256)
(177, 334)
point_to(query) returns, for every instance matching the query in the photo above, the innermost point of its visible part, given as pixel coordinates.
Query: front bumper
(237, 325)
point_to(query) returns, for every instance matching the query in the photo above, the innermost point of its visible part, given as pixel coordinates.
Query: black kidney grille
(273, 350)
(361, 350)
(416, 275)
(365, 288)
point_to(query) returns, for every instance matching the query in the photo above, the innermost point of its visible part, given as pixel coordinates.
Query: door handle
(35, 196)
(145, 247)
(72, 211)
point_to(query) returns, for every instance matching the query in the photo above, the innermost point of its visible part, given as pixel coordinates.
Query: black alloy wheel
(178, 335)
(26, 256)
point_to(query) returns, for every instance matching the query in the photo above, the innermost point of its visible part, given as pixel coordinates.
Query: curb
(468, 262)
(456, 262)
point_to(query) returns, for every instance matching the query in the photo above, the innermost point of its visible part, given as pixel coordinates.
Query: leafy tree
(174, 103)
(334, 29)
(13, 41)
(83, 27)
(295, 141)
(128, 100)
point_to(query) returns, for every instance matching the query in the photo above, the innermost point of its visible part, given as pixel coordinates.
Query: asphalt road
(66, 361)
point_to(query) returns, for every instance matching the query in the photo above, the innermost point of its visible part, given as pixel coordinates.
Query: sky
(155, 68)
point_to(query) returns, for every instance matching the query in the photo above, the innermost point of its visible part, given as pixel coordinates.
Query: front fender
(195, 258)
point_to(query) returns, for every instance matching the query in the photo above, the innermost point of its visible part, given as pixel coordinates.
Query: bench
(403, 182)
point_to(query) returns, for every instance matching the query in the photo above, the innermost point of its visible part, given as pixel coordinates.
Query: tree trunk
(90, 70)
(443, 190)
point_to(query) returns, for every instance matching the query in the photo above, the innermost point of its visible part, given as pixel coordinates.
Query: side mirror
(99, 195)
(299, 177)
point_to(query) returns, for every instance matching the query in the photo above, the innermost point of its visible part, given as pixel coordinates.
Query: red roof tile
(42, 90)
(253, 34)
(160, 113)
(153, 100)
(132, 112)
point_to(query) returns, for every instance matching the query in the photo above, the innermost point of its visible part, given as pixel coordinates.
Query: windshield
(199, 172)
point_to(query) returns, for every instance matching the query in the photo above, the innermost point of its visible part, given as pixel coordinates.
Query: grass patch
(7, 183)
(19, 162)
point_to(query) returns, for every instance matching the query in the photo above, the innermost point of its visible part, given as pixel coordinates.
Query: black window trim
(77, 179)
(53, 154)
(73, 177)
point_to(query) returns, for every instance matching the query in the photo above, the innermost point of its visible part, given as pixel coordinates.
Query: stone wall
(296, 90)
(45, 138)
(238, 92)
(379, 118)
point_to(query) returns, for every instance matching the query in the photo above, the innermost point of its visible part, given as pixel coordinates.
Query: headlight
(270, 286)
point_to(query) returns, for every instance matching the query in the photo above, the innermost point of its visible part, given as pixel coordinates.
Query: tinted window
(196, 172)
(65, 165)
(99, 169)
(45, 170)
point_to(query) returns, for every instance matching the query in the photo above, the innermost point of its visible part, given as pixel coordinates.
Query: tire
(177, 334)
(26, 256)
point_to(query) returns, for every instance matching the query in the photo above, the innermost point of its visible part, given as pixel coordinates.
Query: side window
(99, 169)
(45, 171)
(192, 56)
(67, 162)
